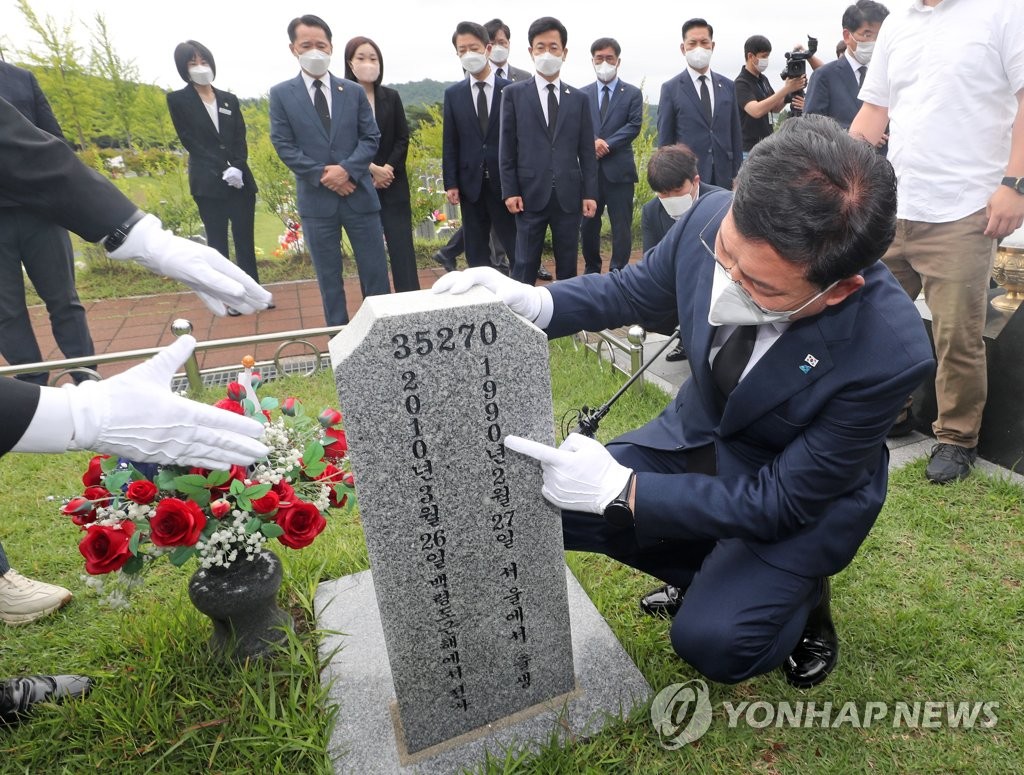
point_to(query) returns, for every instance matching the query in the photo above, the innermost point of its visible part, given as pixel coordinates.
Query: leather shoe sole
(663, 601)
(544, 274)
(817, 652)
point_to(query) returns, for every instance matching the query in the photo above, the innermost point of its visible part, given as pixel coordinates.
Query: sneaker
(25, 600)
(950, 463)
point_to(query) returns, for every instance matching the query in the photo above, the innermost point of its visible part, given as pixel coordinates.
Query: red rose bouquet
(134, 514)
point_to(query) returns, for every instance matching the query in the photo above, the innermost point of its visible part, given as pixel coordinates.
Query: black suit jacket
(467, 152)
(20, 88)
(211, 150)
(394, 142)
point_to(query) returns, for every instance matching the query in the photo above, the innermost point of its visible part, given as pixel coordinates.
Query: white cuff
(51, 428)
(547, 308)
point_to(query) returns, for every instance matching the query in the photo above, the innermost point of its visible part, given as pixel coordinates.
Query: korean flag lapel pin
(340, 87)
(809, 363)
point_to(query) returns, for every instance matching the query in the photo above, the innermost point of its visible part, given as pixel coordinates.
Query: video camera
(796, 67)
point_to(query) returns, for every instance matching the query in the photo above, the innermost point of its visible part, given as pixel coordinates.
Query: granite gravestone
(466, 557)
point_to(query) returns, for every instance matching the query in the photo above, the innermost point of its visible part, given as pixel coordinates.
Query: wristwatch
(116, 238)
(618, 513)
(1017, 184)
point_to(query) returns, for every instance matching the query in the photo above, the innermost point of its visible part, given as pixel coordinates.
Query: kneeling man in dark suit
(764, 475)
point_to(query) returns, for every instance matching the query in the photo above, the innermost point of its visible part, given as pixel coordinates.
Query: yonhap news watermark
(682, 713)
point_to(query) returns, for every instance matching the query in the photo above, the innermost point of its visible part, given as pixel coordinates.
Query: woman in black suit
(209, 124)
(365, 65)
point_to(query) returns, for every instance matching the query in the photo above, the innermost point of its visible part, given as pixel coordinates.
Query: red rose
(176, 523)
(285, 493)
(98, 494)
(235, 391)
(231, 406)
(288, 406)
(219, 508)
(332, 476)
(338, 448)
(255, 379)
(105, 548)
(142, 491)
(94, 474)
(348, 479)
(301, 522)
(268, 504)
(329, 417)
(81, 510)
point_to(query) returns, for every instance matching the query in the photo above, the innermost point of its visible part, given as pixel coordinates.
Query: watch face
(619, 514)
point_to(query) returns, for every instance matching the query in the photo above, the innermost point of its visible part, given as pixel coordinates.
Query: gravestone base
(366, 738)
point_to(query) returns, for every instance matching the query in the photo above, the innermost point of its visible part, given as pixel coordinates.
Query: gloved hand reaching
(233, 177)
(217, 281)
(533, 303)
(581, 475)
(136, 416)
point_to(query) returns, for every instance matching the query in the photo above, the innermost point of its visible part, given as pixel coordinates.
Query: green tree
(120, 82)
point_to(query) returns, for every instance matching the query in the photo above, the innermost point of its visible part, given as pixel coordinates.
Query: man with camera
(755, 95)
(764, 475)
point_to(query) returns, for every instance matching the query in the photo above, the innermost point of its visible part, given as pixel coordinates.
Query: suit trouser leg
(367, 238)
(590, 231)
(565, 239)
(530, 229)
(740, 616)
(323, 236)
(241, 208)
(952, 262)
(476, 228)
(619, 197)
(455, 246)
(214, 214)
(396, 219)
(503, 225)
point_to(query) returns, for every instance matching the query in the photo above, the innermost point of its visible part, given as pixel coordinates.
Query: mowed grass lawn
(930, 611)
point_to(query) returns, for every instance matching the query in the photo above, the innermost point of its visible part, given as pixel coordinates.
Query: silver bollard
(636, 337)
(180, 327)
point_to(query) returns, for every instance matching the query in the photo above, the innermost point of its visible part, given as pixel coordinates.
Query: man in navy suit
(617, 110)
(548, 165)
(698, 108)
(324, 131)
(767, 471)
(472, 116)
(833, 88)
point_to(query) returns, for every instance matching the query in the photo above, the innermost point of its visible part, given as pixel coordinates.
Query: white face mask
(676, 206)
(473, 62)
(366, 72)
(698, 58)
(605, 72)
(315, 62)
(762, 65)
(499, 55)
(547, 64)
(863, 52)
(201, 74)
(731, 306)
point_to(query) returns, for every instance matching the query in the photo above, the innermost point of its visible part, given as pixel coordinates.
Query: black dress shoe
(233, 312)
(663, 601)
(19, 695)
(817, 653)
(444, 261)
(544, 274)
(903, 426)
(676, 354)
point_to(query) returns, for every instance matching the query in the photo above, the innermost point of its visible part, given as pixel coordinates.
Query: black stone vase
(242, 602)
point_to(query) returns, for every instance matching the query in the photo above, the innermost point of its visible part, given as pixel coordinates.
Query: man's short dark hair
(670, 167)
(863, 12)
(546, 24)
(689, 25)
(818, 197)
(185, 52)
(471, 28)
(492, 28)
(755, 44)
(308, 20)
(603, 43)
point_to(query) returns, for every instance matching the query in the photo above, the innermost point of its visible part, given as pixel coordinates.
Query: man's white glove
(534, 304)
(233, 177)
(581, 475)
(218, 282)
(136, 416)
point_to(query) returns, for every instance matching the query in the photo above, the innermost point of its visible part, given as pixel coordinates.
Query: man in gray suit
(324, 131)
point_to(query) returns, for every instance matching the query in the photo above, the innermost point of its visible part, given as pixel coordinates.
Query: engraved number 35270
(444, 339)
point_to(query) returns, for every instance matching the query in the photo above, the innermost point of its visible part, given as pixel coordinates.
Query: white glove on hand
(233, 177)
(581, 475)
(136, 416)
(534, 304)
(218, 282)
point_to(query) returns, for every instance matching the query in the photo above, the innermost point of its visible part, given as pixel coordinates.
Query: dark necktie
(500, 73)
(732, 360)
(552, 109)
(862, 70)
(320, 103)
(606, 94)
(481, 108)
(705, 97)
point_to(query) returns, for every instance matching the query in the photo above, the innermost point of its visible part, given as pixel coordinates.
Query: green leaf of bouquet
(189, 480)
(165, 479)
(118, 480)
(269, 403)
(133, 566)
(271, 529)
(181, 555)
(313, 452)
(133, 542)
(217, 478)
(253, 525)
(202, 498)
(257, 490)
(237, 487)
(108, 464)
(313, 470)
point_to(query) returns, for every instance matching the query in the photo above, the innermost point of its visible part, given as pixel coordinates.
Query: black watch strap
(1017, 184)
(116, 238)
(618, 512)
